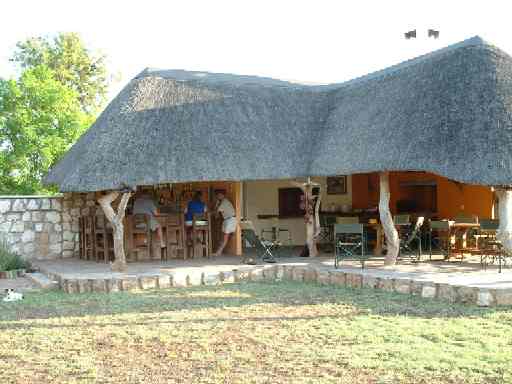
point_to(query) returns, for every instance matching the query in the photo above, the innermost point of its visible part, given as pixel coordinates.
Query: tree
(40, 118)
(74, 66)
(392, 239)
(60, 89)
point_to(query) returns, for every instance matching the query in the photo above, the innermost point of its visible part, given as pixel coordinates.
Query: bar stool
(139, 227)
(201, 238)
(174, 236)
(103, 239)
(86, 237)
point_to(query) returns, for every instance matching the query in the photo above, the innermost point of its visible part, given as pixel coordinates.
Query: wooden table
(458, 238)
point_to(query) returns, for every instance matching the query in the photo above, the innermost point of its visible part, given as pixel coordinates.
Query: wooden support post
(504, 234)
(116, 219)
(392, 239)
(311, 217)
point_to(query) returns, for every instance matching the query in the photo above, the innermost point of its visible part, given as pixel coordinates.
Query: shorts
(153, 223)
(229, 225)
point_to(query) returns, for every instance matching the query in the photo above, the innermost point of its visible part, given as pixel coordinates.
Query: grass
(281, 332)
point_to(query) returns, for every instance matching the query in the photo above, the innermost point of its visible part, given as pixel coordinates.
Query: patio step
(42, 281)
(417, 284)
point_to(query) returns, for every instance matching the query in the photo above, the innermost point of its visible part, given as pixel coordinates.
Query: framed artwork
(337, 185)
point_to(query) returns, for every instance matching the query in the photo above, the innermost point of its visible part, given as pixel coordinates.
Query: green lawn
(252, 333)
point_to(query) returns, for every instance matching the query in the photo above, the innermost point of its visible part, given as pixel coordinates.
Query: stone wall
(43, 227)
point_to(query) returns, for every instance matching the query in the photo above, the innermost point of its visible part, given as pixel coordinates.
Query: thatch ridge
(446, 112)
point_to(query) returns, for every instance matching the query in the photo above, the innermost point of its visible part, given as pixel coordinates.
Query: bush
(10, 260)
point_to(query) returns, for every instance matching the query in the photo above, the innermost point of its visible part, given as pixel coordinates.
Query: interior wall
(262, 198)
(453, 199)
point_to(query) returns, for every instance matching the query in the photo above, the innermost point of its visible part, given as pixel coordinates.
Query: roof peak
(184, 75)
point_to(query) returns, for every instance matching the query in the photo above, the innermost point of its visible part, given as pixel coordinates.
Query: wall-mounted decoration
(337, 185)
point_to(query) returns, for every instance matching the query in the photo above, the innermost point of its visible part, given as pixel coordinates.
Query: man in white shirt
(229, 223)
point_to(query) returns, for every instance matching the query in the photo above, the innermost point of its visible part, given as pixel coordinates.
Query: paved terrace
(453, 281)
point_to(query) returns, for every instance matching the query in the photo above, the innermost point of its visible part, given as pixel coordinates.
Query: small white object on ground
(10, 295)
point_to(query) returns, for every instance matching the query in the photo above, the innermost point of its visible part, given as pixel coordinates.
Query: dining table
(458, 238)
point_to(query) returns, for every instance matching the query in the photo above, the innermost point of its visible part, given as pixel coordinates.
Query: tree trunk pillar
(116, 219)
(390, 232)
(504, 234)
(311, 216)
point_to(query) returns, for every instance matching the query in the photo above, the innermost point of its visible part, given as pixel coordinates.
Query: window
(289, 202)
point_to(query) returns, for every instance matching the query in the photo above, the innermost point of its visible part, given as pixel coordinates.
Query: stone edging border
(186, 278)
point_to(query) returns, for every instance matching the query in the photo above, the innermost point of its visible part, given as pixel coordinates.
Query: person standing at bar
(229, 222)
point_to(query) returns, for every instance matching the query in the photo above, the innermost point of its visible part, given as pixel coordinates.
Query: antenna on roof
(433, 33)
(410, 34)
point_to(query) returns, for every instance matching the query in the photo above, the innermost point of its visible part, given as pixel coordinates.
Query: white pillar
(504, 233)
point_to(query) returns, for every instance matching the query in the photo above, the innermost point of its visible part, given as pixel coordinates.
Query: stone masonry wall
(43, 227)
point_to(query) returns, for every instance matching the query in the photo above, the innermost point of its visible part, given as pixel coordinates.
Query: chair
(347, 220)
(487, 247)
(275, 232)
(140, 238)
(263, 247)
(413, 236)
(326, 229)
(86, 237)
(349, 243)
(439, 237)
(488, 229)
(402, 220)
(175, 236)
(461, 218)
(103, 239)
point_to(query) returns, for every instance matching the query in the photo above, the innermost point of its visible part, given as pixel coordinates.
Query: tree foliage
(39, 119)
(73, 65)
(44, 111)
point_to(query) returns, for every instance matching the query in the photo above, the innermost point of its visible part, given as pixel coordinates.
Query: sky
(314, 42)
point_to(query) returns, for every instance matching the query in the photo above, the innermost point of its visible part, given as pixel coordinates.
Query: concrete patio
(453, 281)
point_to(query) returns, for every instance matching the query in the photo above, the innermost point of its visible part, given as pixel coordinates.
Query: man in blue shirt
(194, 207)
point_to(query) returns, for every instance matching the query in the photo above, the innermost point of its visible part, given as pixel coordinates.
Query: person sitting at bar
(229, 223)
(195, 207)
(144, 205)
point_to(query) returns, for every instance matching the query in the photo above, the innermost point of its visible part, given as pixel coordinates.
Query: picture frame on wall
(337, 185)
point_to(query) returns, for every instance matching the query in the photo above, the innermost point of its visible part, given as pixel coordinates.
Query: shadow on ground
(56, 304)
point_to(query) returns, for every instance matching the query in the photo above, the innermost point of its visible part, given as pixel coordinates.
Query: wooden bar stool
(140, 238)
(81, 244)
(174, 236)
(87, 237)
(103, 239)
(201, 235)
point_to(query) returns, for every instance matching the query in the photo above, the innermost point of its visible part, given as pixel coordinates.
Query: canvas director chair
(349, 243)
(264, 248)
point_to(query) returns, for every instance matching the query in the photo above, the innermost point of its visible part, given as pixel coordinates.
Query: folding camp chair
(349, 243)
(263, 248)
(326, 231)
(412, 239)
(487, 246)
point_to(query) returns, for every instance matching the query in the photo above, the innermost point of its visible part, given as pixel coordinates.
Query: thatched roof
(448, 112)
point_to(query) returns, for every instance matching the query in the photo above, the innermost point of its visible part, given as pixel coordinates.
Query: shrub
(10, 260)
